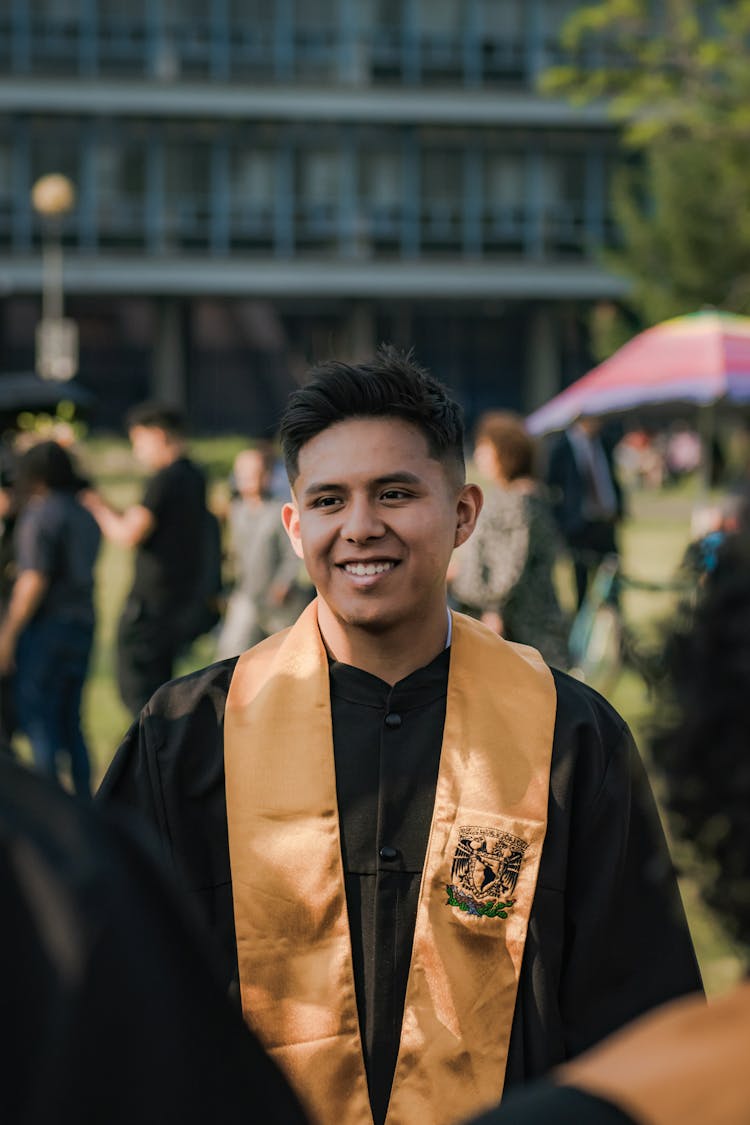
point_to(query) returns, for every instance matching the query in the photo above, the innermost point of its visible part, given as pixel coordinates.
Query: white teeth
(362, 570)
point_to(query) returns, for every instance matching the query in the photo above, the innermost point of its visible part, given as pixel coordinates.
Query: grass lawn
(654, 539)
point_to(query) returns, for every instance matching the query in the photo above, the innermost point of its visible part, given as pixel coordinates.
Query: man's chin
(372, 618)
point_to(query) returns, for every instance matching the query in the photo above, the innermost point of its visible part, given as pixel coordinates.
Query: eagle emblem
(485, 871)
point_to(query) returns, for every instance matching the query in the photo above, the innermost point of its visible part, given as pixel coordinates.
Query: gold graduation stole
(478, 883)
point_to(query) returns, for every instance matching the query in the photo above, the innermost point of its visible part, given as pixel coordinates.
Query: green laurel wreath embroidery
(495, 909)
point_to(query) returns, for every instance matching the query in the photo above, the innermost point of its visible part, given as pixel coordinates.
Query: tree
(676, 77)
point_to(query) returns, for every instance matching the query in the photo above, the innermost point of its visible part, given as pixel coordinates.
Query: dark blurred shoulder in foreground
(111, 1012)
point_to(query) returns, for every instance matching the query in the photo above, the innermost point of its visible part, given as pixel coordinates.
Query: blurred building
(265, 182)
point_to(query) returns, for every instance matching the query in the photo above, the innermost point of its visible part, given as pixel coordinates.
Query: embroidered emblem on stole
(485, 871)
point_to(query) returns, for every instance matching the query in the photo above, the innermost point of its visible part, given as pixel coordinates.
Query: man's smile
(368, 569)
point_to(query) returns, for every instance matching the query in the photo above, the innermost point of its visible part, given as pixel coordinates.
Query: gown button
(388, 853)
(393, 721)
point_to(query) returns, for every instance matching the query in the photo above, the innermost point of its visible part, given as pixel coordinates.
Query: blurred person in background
(111, 1012)
(267, 595)
(586, 497)
(48, 627)
(168, 529)
(503, 574)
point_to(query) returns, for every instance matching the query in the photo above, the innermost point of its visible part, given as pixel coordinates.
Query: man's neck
(390, 655)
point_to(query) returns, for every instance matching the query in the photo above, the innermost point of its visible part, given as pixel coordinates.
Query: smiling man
(433, 863)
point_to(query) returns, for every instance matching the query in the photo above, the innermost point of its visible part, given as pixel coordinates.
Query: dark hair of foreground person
(111, 1012)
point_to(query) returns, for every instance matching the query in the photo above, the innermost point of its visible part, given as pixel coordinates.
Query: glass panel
(6, 190)
(316, 38)
(440, 17)
(504, 197)
(503, 41)
(252, 33)
(381, 198)
(187, 184)
(440, 23)
(55, 32)
(563, 186)
(253, 194)
(121, 184)
(442, 195)
(317, 176)
(122, 37)
(501, 19)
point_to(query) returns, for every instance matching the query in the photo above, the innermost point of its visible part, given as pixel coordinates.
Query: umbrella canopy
(700, 358)
(25, 390)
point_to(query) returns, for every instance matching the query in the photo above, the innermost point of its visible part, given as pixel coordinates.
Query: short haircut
(509, 437)
(390, 385)
(48, 464)
(154, 415)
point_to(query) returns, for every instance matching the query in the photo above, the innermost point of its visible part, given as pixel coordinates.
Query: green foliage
(60, 426)
(676, 76)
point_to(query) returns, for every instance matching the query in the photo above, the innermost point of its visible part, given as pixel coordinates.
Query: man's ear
(290, 520)
(468, 507)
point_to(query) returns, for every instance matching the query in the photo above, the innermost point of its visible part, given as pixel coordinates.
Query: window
(6, 190)
(317, 177)
(121, 185)
(563, 189)
(503, 40)
(253, 194)
(504, 195)
(380, 194)
(187, 188)
(441, 199)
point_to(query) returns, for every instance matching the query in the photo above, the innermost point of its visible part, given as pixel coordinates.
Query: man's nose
(362, 522)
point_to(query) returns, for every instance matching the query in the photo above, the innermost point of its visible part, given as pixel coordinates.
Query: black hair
(157, 416)
(48, 464)
(701, 737)
(390, 385)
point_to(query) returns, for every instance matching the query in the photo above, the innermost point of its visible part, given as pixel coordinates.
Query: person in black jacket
(167, 529)
(586, 496)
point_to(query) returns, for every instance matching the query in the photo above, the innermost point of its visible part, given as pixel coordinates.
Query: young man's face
(376, 518)
(149, 444)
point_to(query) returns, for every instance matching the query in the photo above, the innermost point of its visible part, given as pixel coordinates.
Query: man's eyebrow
(322, 486)
(400, 476)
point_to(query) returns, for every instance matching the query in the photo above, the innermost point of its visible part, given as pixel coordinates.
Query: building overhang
(271, 278)
(360, 105)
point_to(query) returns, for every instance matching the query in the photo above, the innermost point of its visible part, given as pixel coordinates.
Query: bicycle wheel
(599, 662)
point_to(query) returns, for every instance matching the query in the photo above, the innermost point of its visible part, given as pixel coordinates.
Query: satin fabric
(293, 943)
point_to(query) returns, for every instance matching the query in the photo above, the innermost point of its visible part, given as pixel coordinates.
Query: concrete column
(169, 370)
(543, 371)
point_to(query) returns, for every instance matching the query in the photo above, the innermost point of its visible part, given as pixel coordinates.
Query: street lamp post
(53, 196)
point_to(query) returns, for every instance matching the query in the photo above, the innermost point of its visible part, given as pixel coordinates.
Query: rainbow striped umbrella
(701, 358)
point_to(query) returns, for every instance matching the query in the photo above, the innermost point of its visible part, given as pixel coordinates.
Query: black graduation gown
(545, 1104)
(607, 935)
(111, 1010)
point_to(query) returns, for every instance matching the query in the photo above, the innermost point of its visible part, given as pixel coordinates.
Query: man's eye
(395, 494)
(325, 501)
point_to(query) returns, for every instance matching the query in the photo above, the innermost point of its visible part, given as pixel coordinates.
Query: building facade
(262, 183)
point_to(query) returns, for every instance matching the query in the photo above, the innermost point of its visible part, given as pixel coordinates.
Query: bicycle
(601, 644)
